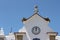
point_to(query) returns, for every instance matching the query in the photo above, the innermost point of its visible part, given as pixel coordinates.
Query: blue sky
(12, 12)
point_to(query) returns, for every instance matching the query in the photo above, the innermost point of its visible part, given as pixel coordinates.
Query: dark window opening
(36, 39)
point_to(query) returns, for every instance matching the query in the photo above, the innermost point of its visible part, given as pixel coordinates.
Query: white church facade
(35, 28)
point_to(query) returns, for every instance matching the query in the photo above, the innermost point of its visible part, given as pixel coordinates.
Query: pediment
(25, 19)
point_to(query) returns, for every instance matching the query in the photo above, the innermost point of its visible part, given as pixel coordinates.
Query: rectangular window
(19, 37)
(52, 37)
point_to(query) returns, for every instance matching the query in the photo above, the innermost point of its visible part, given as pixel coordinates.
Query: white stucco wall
(25, 37)
(23, 29)
(41, 23)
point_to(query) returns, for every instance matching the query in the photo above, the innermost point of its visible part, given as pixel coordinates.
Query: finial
(1, 31)
(36, 9)
(11, 30)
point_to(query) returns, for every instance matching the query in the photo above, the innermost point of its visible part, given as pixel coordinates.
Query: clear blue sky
(12, 12)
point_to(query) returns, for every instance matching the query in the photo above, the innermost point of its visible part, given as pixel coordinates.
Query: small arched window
(36, 39)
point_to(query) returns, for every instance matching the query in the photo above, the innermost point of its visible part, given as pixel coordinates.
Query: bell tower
(36, 28)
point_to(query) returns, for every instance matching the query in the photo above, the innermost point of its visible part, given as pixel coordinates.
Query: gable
(25, 19)
(40, 22)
